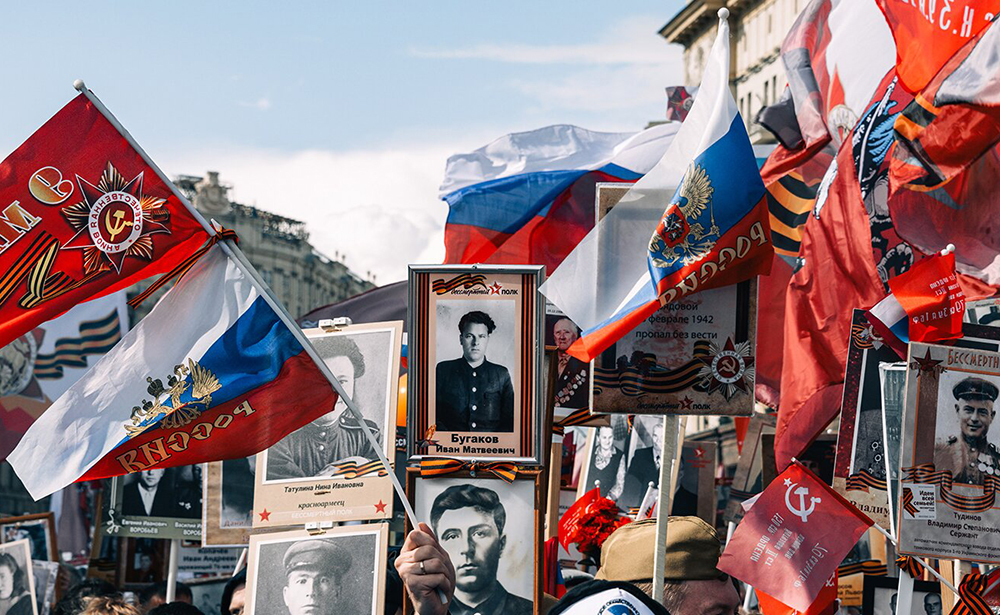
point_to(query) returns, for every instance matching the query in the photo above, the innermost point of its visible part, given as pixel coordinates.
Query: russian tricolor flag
(211, 373)
(528, 198)
(704, 204)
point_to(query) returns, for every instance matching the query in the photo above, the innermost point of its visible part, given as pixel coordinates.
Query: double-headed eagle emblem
(179, 413)
(680, 237)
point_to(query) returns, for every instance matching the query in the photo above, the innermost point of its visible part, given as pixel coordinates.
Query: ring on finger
(422, 570)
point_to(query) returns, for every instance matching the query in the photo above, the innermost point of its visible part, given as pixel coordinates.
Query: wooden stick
(668, 448)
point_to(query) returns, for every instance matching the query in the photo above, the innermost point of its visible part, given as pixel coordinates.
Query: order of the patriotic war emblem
(681, 236)
(728, 369)
(179, 412)
(115, 220)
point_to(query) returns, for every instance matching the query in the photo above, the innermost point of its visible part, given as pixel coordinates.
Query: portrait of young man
(473, 393)
(314, 571)
(968, 455)
(146, 495)
(470, 522)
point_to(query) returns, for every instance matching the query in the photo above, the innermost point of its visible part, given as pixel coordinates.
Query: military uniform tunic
(969, 461)
(474, 398)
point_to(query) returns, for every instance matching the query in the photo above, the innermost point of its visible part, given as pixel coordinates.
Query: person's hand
(425, 584)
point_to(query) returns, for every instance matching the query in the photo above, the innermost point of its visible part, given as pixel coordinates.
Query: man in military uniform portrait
(572, 388)
(969, 456)
(469, 522)
(314, 570)
(474, 394)
(335, 437)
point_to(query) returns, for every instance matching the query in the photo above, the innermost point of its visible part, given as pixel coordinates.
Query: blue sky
(339, 114)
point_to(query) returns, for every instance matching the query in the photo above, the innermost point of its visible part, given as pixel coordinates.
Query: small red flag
(82, 215)
(569, 523)
(824, 604)
(793, 538)
(933, 300)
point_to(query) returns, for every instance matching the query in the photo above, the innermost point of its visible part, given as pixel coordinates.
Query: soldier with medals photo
(968, 456)
(572, 387)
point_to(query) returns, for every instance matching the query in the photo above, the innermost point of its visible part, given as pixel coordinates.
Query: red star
(265, 516)
(686, 403)
(380, 507)
(495, 289)
(699, 452)
(926, 364)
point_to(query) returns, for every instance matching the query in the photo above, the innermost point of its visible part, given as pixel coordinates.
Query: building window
(766, 87)
(774, 87)
(769, 23)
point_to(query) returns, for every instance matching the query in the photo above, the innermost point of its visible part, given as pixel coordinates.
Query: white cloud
(261, 104)
(379, 208)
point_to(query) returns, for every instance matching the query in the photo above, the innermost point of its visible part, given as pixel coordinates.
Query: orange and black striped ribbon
(440, 466)
(577, 417)
(183, 267)
(351, 469)
(465, 280)
(910, 566)
(908, 505)
(871, 567)
(925, 474)
(970, 596)
(863, 481)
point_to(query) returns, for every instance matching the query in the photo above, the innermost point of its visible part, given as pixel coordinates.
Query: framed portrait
(748, 480)
(475, 362)
(39, 529)
(819, 457)
(983, 312)
(142, 561)
(880, 596)
(15, 565)
(341, 570)
(45, 577)
(328, 470)
(227, 515)
(492, 530)
(206, 594)
(862, 459)
(155, 503)
(604, 458)
(570, 390)
(950, 454)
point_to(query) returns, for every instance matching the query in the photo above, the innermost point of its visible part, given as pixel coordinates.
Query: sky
(339, 114)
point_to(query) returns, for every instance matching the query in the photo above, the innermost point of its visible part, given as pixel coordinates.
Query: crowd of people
(423, 571)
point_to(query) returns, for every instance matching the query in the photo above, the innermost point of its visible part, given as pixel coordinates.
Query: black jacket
(474, 399)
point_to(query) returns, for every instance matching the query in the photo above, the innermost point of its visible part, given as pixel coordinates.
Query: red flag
(932, 299)
(82, 215)
(742, 424)
(569, 523)
(793, 538)
(824, 604)
(928, 34)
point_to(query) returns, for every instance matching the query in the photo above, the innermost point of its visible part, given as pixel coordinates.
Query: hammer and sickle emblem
(728, 365)
(119, 226)
(802, 512)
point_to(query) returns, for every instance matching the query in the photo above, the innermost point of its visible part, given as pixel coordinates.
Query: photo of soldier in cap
(474, 392)
(326, 574)
(487, 529)
(967, 452)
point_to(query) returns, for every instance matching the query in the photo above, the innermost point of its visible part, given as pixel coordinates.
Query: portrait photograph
(17, 585)
(294, 477)
(490, 529)
(881, 593)
(227, 494)
(143, 560)
(341, 570)
(571, 390)
(206, 594)
(38, 529)
(475, 362)
(140, 501)
(603, 462)
(365, 360)
(44, 576)
(965, 440)
(748, 480)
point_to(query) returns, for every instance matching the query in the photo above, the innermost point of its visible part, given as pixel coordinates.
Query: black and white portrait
(881, 596)
(45, 575)
(163, 492)
(475, 377)
(207, 595)
(236, 487)
(363, 363)
(572, 386)
(487, 528)
(326, 574)
(37, 529)
(17, 588)
(605, 461)
(964, 443)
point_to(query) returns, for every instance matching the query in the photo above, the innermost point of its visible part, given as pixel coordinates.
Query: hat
(607, 598)
(975, 388)
(693, 550)
(318, 554)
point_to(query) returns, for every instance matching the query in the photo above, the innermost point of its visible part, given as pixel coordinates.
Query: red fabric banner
(82, 215)
(932, 299)
(824, 604)
(791, 541)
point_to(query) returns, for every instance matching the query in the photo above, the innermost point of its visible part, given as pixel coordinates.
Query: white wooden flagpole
(668, 444)
(175, 552)
(920, 561)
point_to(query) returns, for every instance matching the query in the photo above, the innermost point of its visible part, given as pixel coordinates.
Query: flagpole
(233, 251)
(175, 548)
(920, 561)
(668, 443)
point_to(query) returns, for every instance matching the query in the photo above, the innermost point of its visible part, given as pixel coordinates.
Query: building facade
(758, 28)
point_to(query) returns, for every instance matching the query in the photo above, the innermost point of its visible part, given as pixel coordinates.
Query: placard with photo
(155, 503)
(142, 561)
(748, 479)
(341, 570)
(880, 594)
(39, 529)
(206, 594)
(17, 593)
(328, 470)
(571, 389)
(475, 361)
(492, 530)
(950, 456)
(860, 471)
(228, 497)
(46, 578)
(983, 312)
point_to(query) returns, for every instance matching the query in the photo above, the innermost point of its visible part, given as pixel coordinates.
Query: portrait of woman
(15, 598)
(607, 465)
